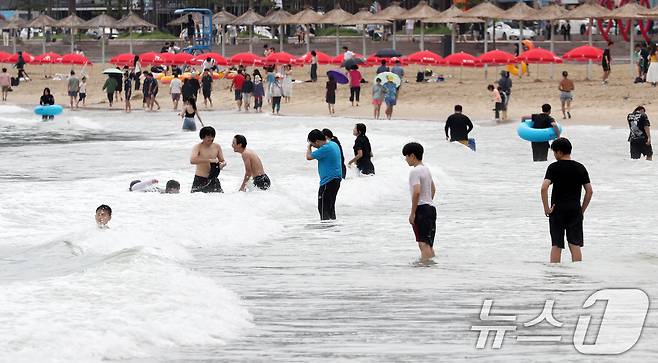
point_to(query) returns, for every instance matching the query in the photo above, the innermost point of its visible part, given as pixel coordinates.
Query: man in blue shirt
(330, 170)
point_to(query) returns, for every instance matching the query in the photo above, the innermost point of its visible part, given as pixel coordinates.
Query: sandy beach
(594, 104)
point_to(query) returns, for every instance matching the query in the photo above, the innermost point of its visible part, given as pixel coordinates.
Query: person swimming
(103, 216)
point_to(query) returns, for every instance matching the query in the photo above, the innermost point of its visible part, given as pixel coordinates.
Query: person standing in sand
(355, 78)
(606, 62)
(497, 101)
(209, 160)
(566, 87)
(377, 97)
(565, 214)
(253, 167)
(423, 213)
(330, 95)
(390, 96)
(72, 88)
(109, 86)
(5, 83)
(127, 89)
(175, 89)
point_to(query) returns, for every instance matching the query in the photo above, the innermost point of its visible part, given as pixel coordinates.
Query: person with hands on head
(565, 213)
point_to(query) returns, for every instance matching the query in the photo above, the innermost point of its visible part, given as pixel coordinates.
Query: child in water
(47, 99)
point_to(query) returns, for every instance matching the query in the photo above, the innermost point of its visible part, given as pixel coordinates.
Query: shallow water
(256, 277)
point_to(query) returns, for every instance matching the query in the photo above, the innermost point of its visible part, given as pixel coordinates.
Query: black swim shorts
(639, 148)
(425, 224)
(569, 223)
(205, 185)
(262, 182)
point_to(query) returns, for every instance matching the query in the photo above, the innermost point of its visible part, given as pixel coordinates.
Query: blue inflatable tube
(527, 133)
(50, 110)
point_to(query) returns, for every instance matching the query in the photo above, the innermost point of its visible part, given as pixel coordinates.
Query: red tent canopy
(424, 57)
(13, 58)
(150, 58)
(219, 60)
(73, 58)
(497, 57)
(584, 54)
(125, 59)
(539, 56)
(245, 59)
(461, 59)
(46, 58)
(3, 56)
(280, 58)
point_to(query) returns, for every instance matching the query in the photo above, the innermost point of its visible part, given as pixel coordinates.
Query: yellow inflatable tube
(515, 71)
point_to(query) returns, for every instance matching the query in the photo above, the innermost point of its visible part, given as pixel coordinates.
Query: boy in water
(253, 167)
(423, 213)
(209, 160)
(103, 216)
(565, 215)
(330, 170)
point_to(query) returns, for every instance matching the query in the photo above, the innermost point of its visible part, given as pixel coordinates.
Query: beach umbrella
(420, 12)
(589, 10)
(583, 54)
(102, 21)
(460, 60)
(486, 11)
(497, 57)
(339, 58)
(306, 17)
(74, 58)
(13, 58)
(133, 21)
(339, 77)
(46, 58)
(223, 17)
(352, 62)
(112, 71)
(42, 21)
(520, 12)
(323, 58)
(385, 75)
(455, 15)
(151, 58)
(364, 17)
(199, 59)
(392, 13)
(180, 58)
(249, 18)
(538, 56)
(424, 57)
(3, 56)
(244, 59)
(279, 58)
(337, 17)
(124, 59)
(279, 18)
(387, 53)
(71, 22)
(14, 24)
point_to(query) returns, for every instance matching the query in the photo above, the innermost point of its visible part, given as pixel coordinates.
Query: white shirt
(421, 175)
(348, 55)
(410, 24)
(208, 65)
(175, 85)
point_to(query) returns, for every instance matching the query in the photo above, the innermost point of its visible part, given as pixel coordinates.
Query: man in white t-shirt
(348, 54)
(409, 27)
(423, 213)
(209, 64)
(175, 88)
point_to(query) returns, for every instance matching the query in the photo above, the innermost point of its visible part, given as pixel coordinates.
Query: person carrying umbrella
(399, 71)
(110, 86)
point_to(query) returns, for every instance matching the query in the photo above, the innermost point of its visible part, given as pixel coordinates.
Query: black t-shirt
(207, 82)
(568, 178)
(331, 88)
(542, 121)
(636, 123)
(194, 84)
(459, 125)
(606, 57)
(362, 143)
(248, 87)
(46, 100)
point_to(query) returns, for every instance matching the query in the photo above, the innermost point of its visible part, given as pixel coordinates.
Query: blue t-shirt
(329, 163)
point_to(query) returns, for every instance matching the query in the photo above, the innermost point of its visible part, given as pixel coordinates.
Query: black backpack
(14, 81)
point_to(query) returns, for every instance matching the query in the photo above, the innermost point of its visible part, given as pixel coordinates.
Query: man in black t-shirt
(565, 214)
(543, 121)
(606, 62)
(459, 126)
(640, 133)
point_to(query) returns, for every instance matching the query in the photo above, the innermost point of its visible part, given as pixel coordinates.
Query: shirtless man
(253, 167)
(209, 160)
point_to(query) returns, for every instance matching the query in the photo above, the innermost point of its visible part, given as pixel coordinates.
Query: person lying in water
(172, 187)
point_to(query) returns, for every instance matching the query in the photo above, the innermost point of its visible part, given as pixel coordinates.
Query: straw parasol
(278, 17)
(102, 21)
(223, 17)
(486, 11)
(420, 12)
(364, 17)
(131, 21)
(650, 13)
(520, 12)
(71, 22)
(197, 17)
(14, 24)
(306, 17)
(551, 13)
(249, 18)
(453, 15)
(631, 12)
(338, 17)
(392, 12)
(42, 21)
(588, 10)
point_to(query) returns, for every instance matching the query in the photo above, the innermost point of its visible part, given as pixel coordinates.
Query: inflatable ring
(527, 133)
(166, 79)
(50, 110)
(515, 71)
(230, 75)
(159, 76)
(216, 75)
